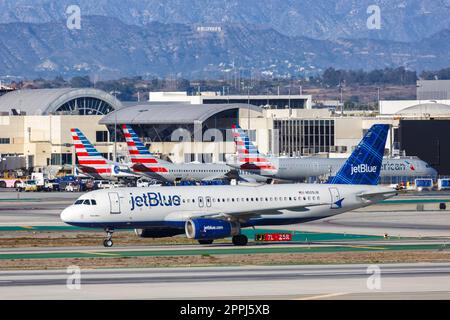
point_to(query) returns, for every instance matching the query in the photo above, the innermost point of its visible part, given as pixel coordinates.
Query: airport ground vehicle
(10, 183)
(423, 184)
(443, 184)
(28, 186)
(207, 213)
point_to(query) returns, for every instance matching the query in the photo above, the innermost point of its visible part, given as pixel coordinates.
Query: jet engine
(201, 229)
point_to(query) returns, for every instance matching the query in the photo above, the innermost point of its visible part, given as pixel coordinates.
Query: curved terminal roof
(179, 113)
(48, 101)
(432, 109)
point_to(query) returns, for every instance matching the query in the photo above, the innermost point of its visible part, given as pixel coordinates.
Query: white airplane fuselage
(248, 205)
(295, 169)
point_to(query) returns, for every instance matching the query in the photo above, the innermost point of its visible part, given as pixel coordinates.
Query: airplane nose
(66, 215)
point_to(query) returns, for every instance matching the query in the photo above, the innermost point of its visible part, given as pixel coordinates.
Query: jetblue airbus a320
(215, 212)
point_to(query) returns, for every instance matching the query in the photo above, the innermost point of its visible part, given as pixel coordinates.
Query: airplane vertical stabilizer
(88, 156)
(248, 155)
(364, 164)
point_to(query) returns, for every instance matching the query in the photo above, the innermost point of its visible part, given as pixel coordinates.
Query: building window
(5, 141)
(102, 136)
(303, 137)
(59, 159)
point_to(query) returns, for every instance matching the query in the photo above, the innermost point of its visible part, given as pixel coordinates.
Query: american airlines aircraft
(93, 164)
(294, 169)
(143, 162)
(215, 212)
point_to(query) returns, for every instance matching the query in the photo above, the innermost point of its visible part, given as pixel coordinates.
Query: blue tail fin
(364, 165)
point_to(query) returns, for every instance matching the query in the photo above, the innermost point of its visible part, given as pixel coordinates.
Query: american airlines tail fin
(88, 156)
(138, 152)
(364, 164)
(248, 155)
(143, 160)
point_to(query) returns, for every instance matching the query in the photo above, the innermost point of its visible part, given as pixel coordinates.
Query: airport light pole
(115, 93)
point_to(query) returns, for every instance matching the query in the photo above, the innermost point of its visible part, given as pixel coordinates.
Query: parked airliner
(215, 212)
(296, 168)
(92, 164)
(145, 163)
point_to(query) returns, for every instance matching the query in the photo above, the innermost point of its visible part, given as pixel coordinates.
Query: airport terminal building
(35, 125)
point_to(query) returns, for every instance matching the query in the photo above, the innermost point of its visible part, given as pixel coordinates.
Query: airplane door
(201, 202)
(208, 202)
(114, 201)
(335, 197)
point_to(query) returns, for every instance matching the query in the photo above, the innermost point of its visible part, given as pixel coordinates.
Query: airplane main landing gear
(108, 243)
(240, 240)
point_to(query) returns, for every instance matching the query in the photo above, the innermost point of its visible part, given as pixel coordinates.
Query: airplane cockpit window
(87, 202)
(93, 202)
(78, 202)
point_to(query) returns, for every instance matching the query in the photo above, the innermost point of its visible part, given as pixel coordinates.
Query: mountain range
(212, 38)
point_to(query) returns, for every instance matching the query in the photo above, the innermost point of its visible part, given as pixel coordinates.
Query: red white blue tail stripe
(139, 154)
(87, 155)
(248, 155)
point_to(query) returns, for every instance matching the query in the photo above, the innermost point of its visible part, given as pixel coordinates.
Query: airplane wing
(242, 216)
(378, 196)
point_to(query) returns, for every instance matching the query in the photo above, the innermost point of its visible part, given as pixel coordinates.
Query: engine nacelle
(158, 232)
(210, 229)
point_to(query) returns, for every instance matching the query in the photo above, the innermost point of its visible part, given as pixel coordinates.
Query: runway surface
(219, 249)
(396, 281)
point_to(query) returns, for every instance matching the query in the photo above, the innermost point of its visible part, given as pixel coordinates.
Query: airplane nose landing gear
(108, 243)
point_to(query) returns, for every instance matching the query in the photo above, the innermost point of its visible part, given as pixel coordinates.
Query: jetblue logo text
(363, 168)
(210, 228)
(154, 199)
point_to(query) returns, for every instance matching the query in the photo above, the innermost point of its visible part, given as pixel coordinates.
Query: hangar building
(36, 123)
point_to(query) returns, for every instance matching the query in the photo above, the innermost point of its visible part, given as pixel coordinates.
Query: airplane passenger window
(304, 198)
(318, 198)
(290, 199)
